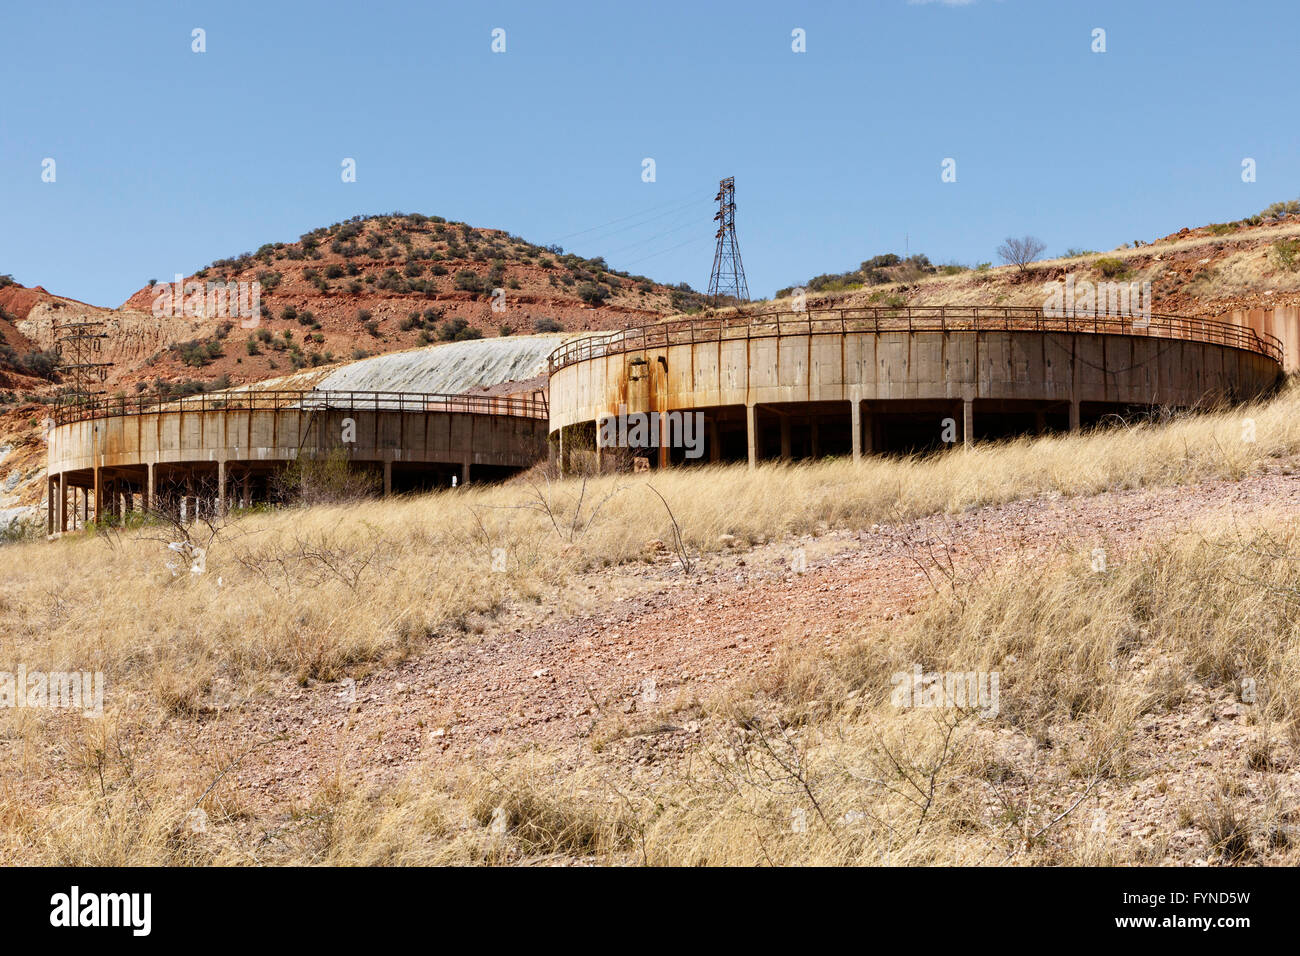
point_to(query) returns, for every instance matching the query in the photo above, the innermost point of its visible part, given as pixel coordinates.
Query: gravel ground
(633, 640)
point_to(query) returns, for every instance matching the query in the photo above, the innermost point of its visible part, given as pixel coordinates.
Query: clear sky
(166, 159)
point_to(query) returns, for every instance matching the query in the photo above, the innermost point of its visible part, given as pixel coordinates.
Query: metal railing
(307, 400)
(917, 318)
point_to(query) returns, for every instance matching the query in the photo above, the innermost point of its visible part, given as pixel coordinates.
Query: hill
(384, 283)
(366, 286)
(1209, 271)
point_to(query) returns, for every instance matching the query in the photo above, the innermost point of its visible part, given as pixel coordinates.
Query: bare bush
(330, 479)
(1020, 252)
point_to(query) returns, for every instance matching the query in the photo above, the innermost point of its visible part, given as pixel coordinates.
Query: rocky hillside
(384, 283)
(367, 286)
(1210, 271)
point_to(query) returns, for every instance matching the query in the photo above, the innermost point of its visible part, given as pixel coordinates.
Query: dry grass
(816, 764)
(322, 593)
(312, 591)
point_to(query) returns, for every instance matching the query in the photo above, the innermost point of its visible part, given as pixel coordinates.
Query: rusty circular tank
(848, 381)
(222, 447)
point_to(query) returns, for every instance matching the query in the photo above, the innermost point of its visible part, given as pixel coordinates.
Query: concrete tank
(224, 445)
(848, 381)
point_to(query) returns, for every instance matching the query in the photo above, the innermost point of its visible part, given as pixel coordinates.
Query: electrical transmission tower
(728, 278)
(78, 344)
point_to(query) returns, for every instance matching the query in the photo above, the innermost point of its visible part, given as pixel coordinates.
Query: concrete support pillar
(967, 422)
(1040, 422)
(665, 449)
(464, 471)
(85, 506)
(563, 460)
(785, 437)
(99, 493)
(751, 435)
(148, 501)
(814, 438)
(600, 464)
(63, 501)
(715, 446)
(245, 491)
(1074, 416)
(49, 505)
(388, 477)
(221, 487)
(855, 428)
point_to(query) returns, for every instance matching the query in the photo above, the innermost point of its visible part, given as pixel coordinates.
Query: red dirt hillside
(383, 283)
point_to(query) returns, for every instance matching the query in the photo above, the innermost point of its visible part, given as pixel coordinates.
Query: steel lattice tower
(728, 278)
(78, 345)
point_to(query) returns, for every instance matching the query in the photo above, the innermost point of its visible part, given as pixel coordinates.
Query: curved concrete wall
(197, 456)
(901, 365)
(280, 435)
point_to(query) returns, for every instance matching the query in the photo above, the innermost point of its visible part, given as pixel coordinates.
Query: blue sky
(167, 159)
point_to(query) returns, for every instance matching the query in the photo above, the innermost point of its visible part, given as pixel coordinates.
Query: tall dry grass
(320, 593)
(312, 591)
(816, 764)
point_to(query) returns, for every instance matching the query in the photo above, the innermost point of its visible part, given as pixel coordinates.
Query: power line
(676, 207)
(668, 250)
(641, 242)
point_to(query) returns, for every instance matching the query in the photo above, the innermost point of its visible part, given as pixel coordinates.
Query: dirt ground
(634, 647)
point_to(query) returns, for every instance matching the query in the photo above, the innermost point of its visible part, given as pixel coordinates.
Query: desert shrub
(592, 293)
(325, 479)
(1280, 210)
(470, 281)
(43, 364)
(457, 329)
(1285, 252)
(198, 352)
(1110, 267)
(546, 324)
